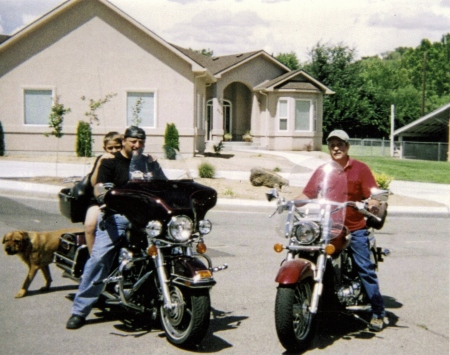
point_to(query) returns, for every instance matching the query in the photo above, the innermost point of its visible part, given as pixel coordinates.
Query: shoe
(376, 324)
(75, 322)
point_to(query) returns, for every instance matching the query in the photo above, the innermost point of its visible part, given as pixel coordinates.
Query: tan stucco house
(90, 48)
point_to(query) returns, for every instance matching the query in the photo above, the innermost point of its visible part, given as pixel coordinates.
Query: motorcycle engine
(348, 294)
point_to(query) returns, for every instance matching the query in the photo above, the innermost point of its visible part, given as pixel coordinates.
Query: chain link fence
(436, 151)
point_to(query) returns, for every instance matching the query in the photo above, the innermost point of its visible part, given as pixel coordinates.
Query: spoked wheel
(187, 322)
(293, 320)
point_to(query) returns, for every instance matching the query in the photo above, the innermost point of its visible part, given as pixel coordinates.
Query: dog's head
(15, 242)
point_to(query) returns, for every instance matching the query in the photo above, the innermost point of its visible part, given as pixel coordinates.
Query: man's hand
(374, 206)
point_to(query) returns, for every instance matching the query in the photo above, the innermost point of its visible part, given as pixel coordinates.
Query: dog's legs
(30, 276)
(47, 276)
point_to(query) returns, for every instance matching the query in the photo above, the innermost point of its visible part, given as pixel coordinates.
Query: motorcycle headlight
(180, 228)
(204, 226)
(153, 228)
(306, 232)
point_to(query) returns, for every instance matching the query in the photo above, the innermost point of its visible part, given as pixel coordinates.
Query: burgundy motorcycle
(161, 270)
(318, 262)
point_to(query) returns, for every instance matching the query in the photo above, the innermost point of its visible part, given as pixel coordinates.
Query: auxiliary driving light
(202, 274)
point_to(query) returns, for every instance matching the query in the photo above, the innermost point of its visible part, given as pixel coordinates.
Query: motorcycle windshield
(327, 191)
(161, 163)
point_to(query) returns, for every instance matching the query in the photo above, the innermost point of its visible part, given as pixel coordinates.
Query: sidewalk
(438, 193)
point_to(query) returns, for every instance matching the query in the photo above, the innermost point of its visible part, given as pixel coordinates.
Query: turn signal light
(201, 248)
(152, 250)
(330, 249)
(278, 247)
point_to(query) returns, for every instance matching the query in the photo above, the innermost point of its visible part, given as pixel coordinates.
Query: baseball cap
(338, 133)
(134, 132)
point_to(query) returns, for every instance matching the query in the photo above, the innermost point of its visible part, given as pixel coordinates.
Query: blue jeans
(99, 264)
(360, 249)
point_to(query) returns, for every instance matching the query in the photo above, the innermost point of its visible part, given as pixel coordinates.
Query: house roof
(293, 81)
(218, 65)
(70, 3)
(431, 124)
(3, 38)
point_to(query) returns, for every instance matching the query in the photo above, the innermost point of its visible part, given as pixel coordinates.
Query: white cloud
(226, 26)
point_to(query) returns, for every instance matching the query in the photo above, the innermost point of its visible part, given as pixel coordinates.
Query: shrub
(84, 139)
(2, 141)
(206, 170)
(171, 141)
(382, 180)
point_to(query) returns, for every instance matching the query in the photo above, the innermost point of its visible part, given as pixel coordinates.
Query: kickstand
(357, 317)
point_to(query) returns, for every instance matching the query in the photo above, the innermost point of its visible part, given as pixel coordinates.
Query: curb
(10, 188)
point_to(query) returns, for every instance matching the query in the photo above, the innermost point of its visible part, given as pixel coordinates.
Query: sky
(370, 27)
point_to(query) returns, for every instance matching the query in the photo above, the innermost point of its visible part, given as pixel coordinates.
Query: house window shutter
(37, 106)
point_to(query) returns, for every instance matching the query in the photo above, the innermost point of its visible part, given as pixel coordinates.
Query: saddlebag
(72, 254)
(73, 207)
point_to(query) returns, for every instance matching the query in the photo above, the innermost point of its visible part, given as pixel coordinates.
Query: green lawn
(409, 169)
(406, 169)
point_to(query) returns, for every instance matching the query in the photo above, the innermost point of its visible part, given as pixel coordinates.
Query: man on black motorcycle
(112, 228)
(360, 181)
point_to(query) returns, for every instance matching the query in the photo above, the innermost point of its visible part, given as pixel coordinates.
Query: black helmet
(134, 132)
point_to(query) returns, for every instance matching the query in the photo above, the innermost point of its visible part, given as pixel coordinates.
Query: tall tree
(289, 59)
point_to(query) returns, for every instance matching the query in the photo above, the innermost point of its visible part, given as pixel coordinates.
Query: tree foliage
(56, 119)
(289, 59)
(171, 140)
(415, 80)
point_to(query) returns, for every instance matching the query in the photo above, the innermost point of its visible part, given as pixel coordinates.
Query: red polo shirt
(359, 181)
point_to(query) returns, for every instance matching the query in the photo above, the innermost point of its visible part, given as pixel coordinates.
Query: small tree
(84, 139)
(171, 141)
(94, 106)
(136, 121)
(2, 141)
(84, 134)
(56, 119)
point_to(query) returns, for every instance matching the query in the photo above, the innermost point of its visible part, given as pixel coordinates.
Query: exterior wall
(91, 51)
(250, 74)
(292, 139)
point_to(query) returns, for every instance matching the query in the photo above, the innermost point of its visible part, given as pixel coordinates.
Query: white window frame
(311, 115)
(281, 117)
(128, 110)
(52, 100)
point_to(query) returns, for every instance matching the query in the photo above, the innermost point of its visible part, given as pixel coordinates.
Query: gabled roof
(57, 11)
(221, 64)
(3, 38)
(430, 124)
(297, 80)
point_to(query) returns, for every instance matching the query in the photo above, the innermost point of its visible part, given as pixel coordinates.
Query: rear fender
(294, 271)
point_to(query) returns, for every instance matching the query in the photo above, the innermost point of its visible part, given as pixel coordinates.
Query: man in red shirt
(360, 181)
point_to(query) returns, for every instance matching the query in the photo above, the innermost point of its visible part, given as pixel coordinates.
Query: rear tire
(293, 320)
(187, 323)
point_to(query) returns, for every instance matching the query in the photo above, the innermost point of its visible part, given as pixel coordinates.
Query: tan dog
(36, 250)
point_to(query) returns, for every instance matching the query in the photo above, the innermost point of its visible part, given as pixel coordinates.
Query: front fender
(294, 271)
(191, 272)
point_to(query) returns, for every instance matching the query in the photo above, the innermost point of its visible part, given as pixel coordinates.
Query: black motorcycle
(161, 269)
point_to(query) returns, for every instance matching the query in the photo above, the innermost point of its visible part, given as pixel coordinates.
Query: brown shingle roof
(216, 64)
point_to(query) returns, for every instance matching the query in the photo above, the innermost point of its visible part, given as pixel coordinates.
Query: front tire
(187, 323)
(293, 320)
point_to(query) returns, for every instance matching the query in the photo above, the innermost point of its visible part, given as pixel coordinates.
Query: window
(37, 106)
(302, 115)
(141, 109)
(283, 115)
